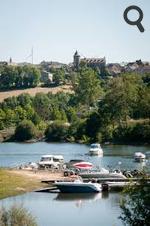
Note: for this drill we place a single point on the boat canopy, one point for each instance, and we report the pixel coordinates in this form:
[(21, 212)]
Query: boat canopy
[(54, 157), (95, 145)]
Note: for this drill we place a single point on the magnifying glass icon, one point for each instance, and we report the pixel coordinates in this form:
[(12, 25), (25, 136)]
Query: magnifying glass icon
[(136, 22)]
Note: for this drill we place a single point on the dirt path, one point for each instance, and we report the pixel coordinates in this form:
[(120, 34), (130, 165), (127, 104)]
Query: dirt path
[(38, 175)]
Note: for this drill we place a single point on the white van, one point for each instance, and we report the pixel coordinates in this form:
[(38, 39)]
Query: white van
[(51, 161)]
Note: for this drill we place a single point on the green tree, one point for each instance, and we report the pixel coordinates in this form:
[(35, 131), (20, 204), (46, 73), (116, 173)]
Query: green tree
[(41, 105), (135, 205), (10, 103), (10, 118), (25, 131), (2, 119), (121, 96), (24, 100), (88, 89), (57, 131), (59, 76), (20, 114), (142, 107), (8, 77)]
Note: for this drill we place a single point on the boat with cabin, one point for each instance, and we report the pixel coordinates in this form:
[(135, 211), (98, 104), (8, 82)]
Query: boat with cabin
[(139, 157), (51, 161), (95, 149)]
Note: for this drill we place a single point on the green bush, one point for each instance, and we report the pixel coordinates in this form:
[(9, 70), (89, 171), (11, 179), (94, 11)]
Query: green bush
[(25, 131), (16, 216), (57, 131), (139, 133), (135, 204)]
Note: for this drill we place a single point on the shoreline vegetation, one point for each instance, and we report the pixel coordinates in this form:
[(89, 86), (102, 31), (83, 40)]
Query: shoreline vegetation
[(16, 182), (8, 138), (96, 108)]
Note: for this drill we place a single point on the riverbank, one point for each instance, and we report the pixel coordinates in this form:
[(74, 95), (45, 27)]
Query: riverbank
[(15, 182)]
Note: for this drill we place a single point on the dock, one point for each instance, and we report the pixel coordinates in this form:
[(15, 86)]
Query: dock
[(112, 184), (98, 180)]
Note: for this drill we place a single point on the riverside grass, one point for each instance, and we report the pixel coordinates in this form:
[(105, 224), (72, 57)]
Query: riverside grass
[(12, 184)]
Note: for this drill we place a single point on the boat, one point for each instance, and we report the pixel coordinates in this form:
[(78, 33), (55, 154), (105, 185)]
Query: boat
[(102, 173), (96, 149), (139, 156), (78, 186), (51, 161), (72, 162)]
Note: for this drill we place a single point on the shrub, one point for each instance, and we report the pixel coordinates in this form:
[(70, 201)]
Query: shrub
[(135, 204), (16, 216), (57, 131), (25, 131)]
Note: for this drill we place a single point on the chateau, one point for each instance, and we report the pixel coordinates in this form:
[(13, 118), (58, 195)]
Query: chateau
[(98, 63)]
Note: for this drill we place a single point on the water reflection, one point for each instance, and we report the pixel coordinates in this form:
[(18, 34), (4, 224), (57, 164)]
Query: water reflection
[(81, 196), (81, 199), (65, 209)]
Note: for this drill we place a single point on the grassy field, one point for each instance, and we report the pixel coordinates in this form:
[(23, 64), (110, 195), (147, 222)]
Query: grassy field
[(12, 184), (33, 91)]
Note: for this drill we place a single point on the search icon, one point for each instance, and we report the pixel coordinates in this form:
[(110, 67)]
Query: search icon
[(136, 22)]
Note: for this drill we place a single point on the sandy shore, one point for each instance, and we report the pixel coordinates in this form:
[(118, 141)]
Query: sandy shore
[(39, 175)]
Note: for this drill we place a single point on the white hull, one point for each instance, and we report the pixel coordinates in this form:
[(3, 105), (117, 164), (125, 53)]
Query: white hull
[(101, 175), (78, 187), (96, 152), (139, 157)]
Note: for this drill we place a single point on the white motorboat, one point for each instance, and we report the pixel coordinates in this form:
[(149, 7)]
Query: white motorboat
[(51, 161), (96, 149), (78, 186), (102, 173), (139, 156)]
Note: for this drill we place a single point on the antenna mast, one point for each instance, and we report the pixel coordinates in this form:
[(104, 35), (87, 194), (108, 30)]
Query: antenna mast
[(32, 55)]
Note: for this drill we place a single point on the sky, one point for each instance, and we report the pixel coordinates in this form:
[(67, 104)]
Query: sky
[(57, 28)]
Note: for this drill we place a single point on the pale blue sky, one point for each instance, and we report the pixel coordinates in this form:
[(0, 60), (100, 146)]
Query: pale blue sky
[(56, 28)]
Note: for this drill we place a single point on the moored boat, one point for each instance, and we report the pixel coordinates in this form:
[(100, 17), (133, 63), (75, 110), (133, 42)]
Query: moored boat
[(139, 156), (51, 161), (78, 186), (102, 173), (96, 149)]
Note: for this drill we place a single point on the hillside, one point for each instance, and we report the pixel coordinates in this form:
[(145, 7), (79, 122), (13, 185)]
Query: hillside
[(33, 91)]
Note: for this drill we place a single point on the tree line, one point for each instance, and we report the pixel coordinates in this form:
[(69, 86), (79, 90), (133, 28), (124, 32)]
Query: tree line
[(111, 109), (16, 77)]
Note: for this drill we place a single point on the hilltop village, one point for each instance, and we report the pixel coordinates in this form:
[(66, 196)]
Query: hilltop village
[(49, 69)]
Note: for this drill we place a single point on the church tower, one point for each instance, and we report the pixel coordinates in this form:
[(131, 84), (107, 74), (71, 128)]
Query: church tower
[(76, 60), (10, 61)]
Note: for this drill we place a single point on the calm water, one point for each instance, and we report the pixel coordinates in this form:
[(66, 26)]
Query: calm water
[(52, 209), (13, 154), (55, 210)]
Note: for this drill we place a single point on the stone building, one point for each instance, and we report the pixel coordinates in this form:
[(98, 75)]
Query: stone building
[(98, 63), (76, 61)]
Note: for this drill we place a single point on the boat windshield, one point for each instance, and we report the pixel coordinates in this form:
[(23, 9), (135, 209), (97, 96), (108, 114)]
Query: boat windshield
[(55, 159), (45, 159), (95, 145)]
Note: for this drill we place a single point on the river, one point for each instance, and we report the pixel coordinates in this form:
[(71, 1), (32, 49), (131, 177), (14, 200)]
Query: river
[(52, 209)]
